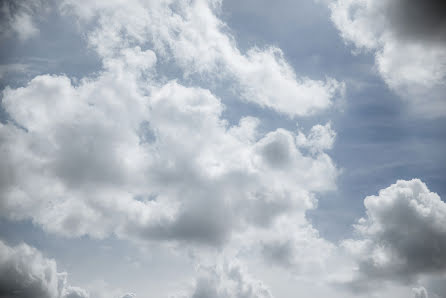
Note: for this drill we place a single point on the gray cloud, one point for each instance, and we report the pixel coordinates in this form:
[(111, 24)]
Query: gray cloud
[(408, 39), (420, 292), (25, 273), (402, 237), (198, 180), (228, 281)]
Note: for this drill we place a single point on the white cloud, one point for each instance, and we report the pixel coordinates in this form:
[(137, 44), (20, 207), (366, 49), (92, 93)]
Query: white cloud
[(122, 154), (403, 236), (191, 34), (320, 138), (294, 245), (131, 154), (25, 273), (408, 44), (420, 292), (227, 280)]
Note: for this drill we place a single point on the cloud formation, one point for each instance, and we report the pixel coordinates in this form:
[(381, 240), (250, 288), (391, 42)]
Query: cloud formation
[(191, 34), (131, 153), (408, 40), (228, 280), (420, 292), (18, 18), (158, 159), (25, 273), (402, 237)]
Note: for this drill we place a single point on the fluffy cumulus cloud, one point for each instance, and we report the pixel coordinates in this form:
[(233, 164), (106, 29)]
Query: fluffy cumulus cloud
[(25, 273), (226, 280), (160, 164), (131, 154), (191, 34), (408, 39), (402, 237)]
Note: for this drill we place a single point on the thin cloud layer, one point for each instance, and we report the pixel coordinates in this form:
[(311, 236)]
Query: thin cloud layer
[(408, 41)]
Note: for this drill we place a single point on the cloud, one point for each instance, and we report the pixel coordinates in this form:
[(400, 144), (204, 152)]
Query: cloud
[(125, 154), (419, 19), (129, 153), (200, 44), (7, 70), (228, 280), (420, 292), (408, 40), (402, 237), (25, 273), (18, 18), (295, 247)]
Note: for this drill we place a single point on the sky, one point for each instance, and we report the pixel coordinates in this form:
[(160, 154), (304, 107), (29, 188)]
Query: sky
[(222, 149)]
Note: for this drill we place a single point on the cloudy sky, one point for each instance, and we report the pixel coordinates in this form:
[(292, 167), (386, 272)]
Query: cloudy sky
[(222, 149)]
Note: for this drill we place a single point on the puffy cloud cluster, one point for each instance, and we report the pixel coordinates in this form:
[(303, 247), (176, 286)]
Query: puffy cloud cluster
[(227, 280), (130, 154), (409, 42), (403, 236), (190, 34), (25, 273), (156, 161)]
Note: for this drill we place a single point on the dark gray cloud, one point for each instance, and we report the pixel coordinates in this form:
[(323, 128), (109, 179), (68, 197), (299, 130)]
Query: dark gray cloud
[(421, 19)]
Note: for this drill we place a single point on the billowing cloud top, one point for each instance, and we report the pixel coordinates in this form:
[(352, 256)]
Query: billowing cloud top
[(25, 273), (144, 151), (409, 42)]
